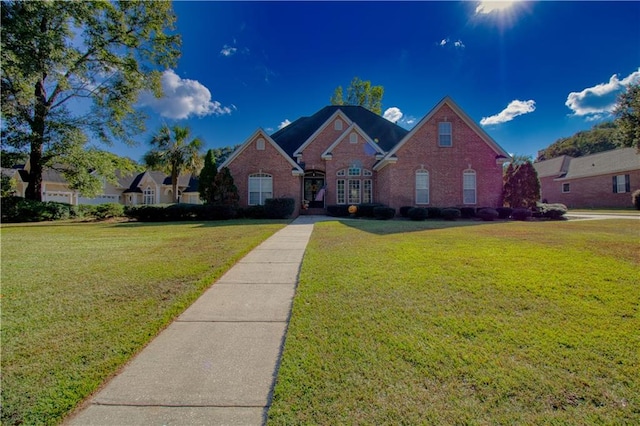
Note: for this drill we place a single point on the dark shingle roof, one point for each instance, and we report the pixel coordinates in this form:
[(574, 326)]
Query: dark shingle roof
[(378, 128)]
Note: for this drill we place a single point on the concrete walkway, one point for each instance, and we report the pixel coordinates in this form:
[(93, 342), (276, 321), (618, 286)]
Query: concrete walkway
[(217, 363)]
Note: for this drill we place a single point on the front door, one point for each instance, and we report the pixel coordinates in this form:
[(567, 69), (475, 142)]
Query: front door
[(314, 191)]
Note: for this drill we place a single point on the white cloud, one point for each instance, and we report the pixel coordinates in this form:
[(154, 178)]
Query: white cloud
[(600, 100), (458, 44), (444, 42), (228, 50), (182, 98), (514, 109), (285, 123), (393, 114)]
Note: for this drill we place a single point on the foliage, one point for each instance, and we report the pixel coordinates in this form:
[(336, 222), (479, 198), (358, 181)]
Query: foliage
[(488, 214), (521, 214), (338, 210), (404, 211), (504, 212), (360, 93), (451, 214), (8, 186), (180, 212), (551, 211), (384, 213), (18, 209), (253, 212), (521, 185), (418, 213), (467, 212), (207, 178), (221, 154), (434, 212), (279, 208), (225, 191), (72, 71), (627, 113), (509, 324), (172, 154), (635, 199), (10, 159), (80, 299), (366, 209), (601, 137)]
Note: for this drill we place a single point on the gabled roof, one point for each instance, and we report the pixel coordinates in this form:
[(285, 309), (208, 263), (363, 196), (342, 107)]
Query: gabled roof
[(260, 132), (602, 163), (293, 136), (500, 152), (557, 166), (375, 148)]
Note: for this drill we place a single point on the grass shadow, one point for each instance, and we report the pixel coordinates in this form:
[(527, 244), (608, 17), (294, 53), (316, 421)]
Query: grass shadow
[(400, 226)]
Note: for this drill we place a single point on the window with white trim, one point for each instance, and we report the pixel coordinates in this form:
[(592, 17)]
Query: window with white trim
[(342, 172), (340, 194), (354, 194), (566, 187), (260, 188), (354, 170), (444, 134), (469, 187), (353, 138), (337, 125), (260, 144), (149, 195), (422, 187), (621, 184), (367, 191)]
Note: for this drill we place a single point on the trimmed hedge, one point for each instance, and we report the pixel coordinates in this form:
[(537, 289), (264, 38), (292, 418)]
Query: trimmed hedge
[(404, 211), (504, 212), (18, 209), (418, 213), (253, 212), (521, 214), (338, 210), (551, 211), (635, 199), (384, 213), (487, 214), (434, 212), (467, 212), (279, 208), (367, 209), (451, 214), (180, 212)]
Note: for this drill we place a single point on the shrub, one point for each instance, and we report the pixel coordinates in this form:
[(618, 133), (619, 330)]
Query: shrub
[(635, 199), (467, 212), (521, 214), (216, 212), (404, 211), (338, 210), (279, 208), (487, 214), (254, 212), (450, 214), (551, 211), (366, 209), (504, 212), (384, 213), (107, 210), (418, 213), (18, 209), (434, 212)]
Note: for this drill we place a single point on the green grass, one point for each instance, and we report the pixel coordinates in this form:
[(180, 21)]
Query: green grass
[(477, 324), (78, 300)]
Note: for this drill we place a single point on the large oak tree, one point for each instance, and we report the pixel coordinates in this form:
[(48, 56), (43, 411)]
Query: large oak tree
[(71, 74)]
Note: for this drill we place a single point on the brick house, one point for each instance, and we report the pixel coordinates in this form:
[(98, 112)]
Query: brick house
[(349, 155), (605, 179)]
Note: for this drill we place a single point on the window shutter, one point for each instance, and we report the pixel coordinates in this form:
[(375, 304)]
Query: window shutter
[(627, 183), (615, 185)]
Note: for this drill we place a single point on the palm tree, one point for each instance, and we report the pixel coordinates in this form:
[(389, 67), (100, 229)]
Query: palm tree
[(172, 154)]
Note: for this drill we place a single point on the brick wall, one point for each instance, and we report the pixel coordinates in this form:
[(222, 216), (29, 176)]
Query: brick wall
[(268, 161), (445, 166), (589, 192)]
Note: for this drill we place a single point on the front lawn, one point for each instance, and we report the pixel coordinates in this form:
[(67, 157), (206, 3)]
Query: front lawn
[(435, 323), (78, 300)]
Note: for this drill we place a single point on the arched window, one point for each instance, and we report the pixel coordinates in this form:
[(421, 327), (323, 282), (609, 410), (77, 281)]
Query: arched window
[(260, 188), (149, 196), (469, 187), (422, 187)]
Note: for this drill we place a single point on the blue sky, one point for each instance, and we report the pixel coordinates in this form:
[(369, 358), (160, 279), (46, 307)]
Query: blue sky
[(528, 72)]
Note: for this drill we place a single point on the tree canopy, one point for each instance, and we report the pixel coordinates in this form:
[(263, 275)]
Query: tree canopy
[(71, 74), (602, 137), (628, 117), (360, 93), (172, 154), (521, 185)]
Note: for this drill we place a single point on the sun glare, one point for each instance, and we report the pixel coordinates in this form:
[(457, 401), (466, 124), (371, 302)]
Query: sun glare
[(486, 7), (504, 13)]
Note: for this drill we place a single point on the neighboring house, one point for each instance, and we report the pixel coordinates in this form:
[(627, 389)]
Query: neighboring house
[(605, 179), (350, 155), (149, 187)]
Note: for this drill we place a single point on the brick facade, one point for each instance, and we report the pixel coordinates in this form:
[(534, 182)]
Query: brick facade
[(392, 173), (589, 192)]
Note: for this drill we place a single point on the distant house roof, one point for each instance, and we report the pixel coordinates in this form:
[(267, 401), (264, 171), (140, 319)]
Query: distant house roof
[(381, 130), (602, 163)]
